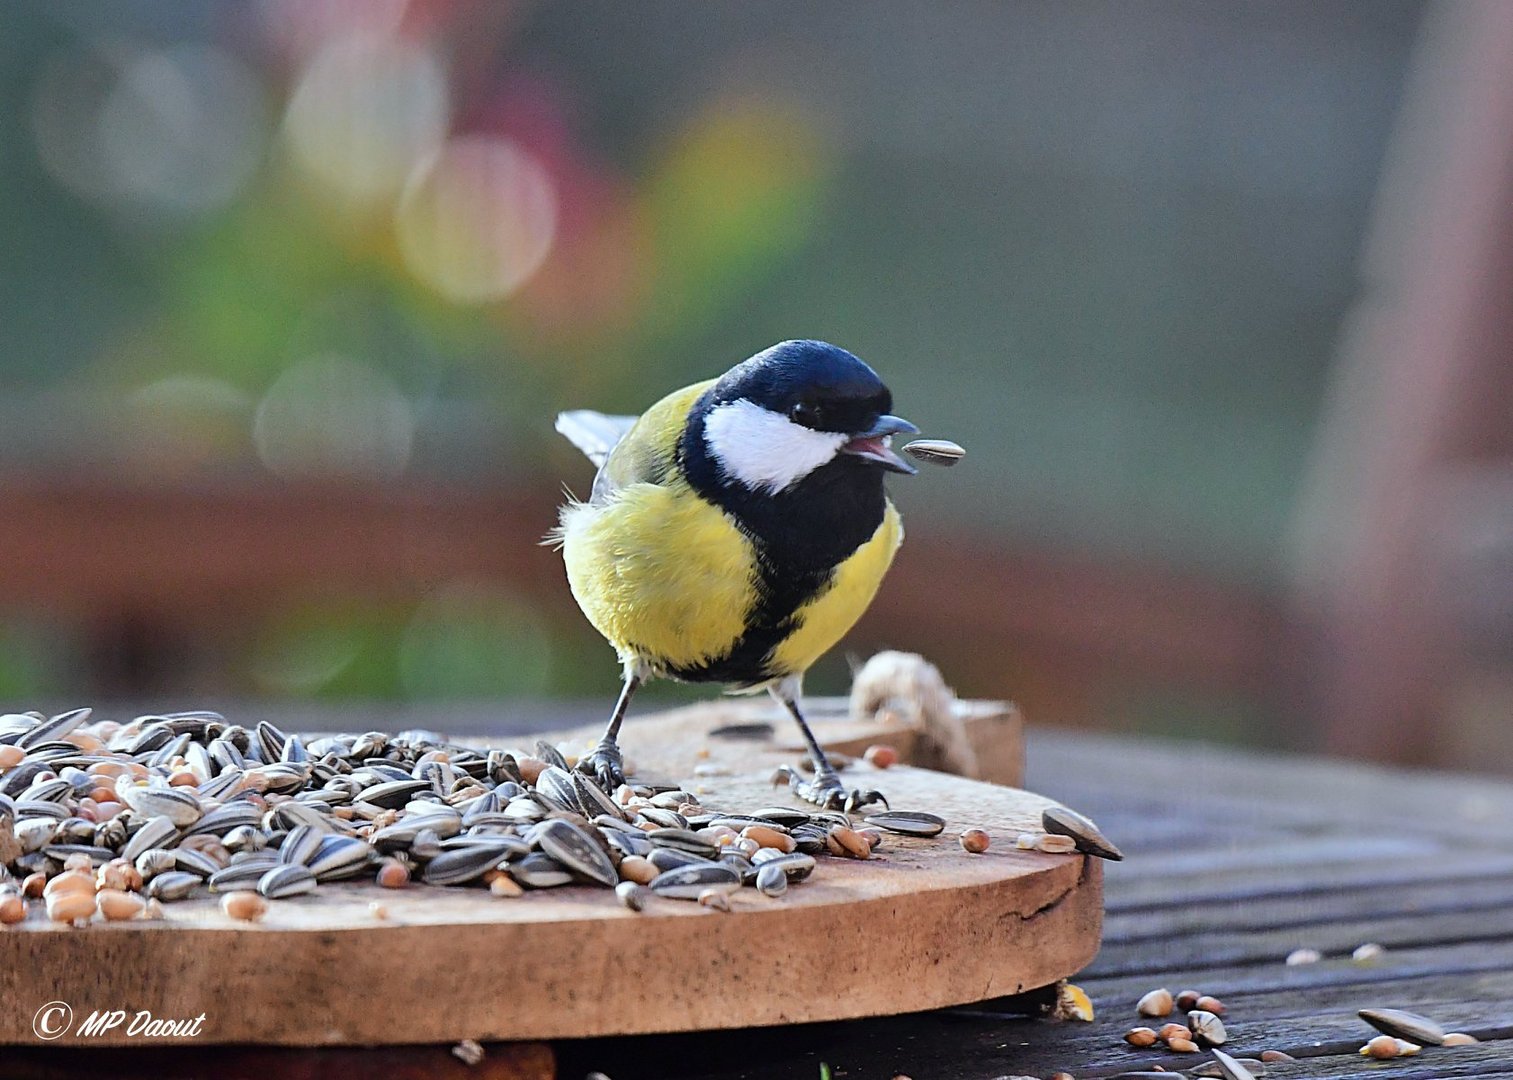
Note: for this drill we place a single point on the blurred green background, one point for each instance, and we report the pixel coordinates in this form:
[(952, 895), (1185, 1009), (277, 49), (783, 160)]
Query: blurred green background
[(359, 252)]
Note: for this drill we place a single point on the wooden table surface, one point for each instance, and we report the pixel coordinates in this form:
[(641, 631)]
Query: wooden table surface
[(1233, 860)]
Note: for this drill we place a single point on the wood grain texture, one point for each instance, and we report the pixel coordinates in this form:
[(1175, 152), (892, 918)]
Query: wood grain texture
[(1232, 860), (453, 964)]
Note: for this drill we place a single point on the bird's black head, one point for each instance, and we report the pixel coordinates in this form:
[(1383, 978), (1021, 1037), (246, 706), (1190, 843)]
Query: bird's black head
[(794, 442), (813, 383), (795, 408)]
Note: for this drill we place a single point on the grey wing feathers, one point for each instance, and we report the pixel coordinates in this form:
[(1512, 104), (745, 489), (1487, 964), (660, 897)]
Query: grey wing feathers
[(594, 433)]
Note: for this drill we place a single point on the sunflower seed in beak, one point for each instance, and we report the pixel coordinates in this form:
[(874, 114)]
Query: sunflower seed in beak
[(935, 451)]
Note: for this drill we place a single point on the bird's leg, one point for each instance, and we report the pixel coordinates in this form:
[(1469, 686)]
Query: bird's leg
[(826, 788), (605, 764)]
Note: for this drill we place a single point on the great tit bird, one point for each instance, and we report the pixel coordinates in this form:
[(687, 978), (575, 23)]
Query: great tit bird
[(736, 530)]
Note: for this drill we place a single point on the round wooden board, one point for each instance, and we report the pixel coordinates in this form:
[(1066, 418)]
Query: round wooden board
[(921, 925)]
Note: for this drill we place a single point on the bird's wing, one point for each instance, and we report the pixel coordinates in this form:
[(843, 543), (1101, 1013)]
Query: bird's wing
[(594, 433)]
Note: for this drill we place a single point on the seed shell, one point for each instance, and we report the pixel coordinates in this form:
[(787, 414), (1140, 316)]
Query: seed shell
[(1401, 1024), (172, 885), (1207, 1027), (539, 871), (908, 822), (771, 880), (688, 882), (935, 451), (290, 879), (633, 895), (1231, 1069), (573, 848), (1060, 821)]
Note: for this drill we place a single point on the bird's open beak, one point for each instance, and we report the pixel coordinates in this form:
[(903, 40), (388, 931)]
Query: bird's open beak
[(874, 444)]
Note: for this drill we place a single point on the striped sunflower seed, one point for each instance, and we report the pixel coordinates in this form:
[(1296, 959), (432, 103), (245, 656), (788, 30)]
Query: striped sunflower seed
[(1401, 1024), (300, 845), (173, 885), (461, 865), (771, 880), (574, 849), (539, 871), (935, 451), (688, 882), (287, 880), (908, 822), (1060, 821)]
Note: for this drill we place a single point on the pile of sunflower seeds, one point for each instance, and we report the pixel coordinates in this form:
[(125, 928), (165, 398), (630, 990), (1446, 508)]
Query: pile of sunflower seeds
[(167, 805)]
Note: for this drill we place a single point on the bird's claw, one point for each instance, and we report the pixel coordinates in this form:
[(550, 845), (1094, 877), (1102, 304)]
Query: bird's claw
[(826, 790), (858, 798), (605, 765)]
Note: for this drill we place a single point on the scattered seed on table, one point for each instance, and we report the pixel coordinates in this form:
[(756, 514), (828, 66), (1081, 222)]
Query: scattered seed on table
[(393, 874), (165, 804), (1367, 952), (70, 881), (714, 898), (975, 840), (1460, 1038), (12, 909), (1052, 844), (768, 837), (1210, 1004), (1271, 1056), (636, 869), (633, 895), (1086, 836), (852, 843), (377, 910), (771, 880), (1228, 1068), (116, 904), (1156, 1003), (245, 906), (505, 886), (1187, 1000), (1303, 956), (1072, 1003), (1140, 1036), (1168, 1032), (1401, 1024), (881, 755), (908, 822), (71, 907), (1207, 1028), (1182, 1046), (1381, 1047), (469, 1052)]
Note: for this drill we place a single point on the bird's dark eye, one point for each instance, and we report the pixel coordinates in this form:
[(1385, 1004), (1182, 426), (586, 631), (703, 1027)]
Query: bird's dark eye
[(806, 413)]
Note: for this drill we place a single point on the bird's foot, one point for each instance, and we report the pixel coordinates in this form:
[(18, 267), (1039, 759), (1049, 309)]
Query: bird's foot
[(826, 790), (605, 765)]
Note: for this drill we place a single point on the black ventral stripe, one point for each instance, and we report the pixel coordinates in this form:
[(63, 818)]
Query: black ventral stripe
[(800, 536), (770, 621)]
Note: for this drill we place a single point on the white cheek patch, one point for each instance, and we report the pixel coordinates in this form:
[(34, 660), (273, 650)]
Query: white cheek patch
[(764, 450)]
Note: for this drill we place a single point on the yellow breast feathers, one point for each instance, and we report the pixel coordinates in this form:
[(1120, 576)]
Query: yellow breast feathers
[(670, 579)]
